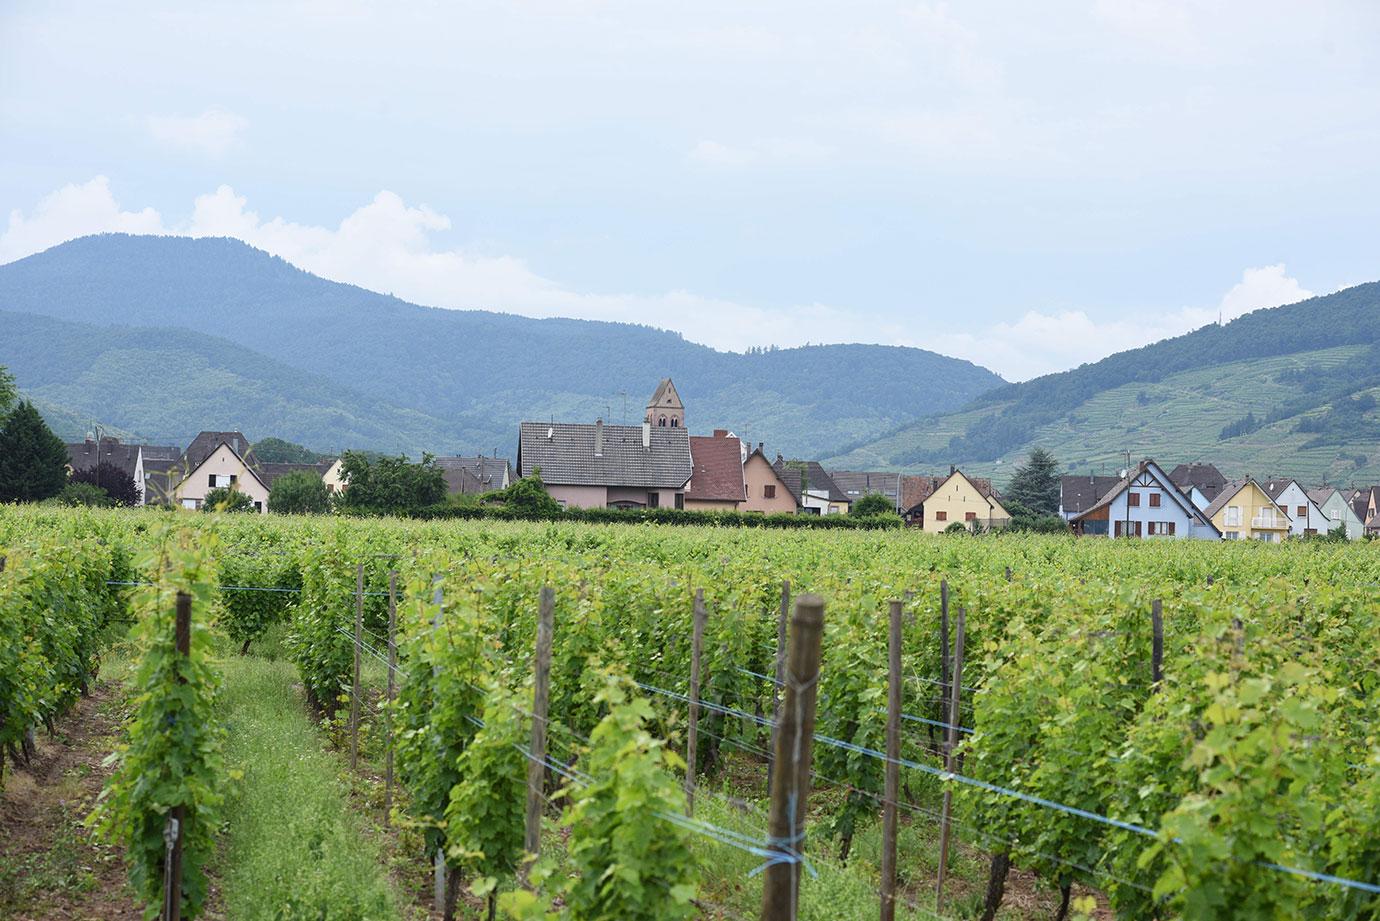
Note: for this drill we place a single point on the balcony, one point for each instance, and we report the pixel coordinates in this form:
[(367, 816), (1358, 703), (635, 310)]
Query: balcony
[(1268, 522)]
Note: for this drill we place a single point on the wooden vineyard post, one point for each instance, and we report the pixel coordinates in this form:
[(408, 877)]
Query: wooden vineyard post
[(692, 735), (541, 698), (175, 830), (438, 883), (951, 742), (791, 770), (1157, 643), (1008, 574), (893, 767), (392, 690), (943, 642), (354, 686), (780, 674)]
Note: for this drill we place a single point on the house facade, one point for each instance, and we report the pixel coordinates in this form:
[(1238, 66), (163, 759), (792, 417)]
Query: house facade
[(957, 498), (766, 492), (222, 467), (1305, 517), (858, 483), (814, 490), (716, 482), (1244, 511), (1146, 503), (607, 466), (1338, 511)]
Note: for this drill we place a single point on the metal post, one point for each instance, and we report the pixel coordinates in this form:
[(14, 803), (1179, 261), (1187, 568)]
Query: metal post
[(354, 686), (392, 690), (893, 769), (794, 744), (951, 737), (541, 697)]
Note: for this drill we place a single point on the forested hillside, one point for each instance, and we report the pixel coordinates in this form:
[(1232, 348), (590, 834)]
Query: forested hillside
[(318, 348), (1286, 390)]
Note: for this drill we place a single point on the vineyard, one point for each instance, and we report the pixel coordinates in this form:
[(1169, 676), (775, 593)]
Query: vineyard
[(1144, 729)]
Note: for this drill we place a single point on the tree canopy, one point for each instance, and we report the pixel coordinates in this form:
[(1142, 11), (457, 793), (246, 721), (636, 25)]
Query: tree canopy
[(528, 495), (226, 499), (115, 482), (299, 493), (871, 505), (390, 485), (280, 451), (33, 461), (1036, 484), (7, 390)]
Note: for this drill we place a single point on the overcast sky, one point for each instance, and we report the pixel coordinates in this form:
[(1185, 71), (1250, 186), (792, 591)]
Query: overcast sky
[(1029, 186)]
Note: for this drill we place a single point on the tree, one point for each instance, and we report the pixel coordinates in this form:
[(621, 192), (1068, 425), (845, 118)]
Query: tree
[(116, 483), (299, 493), (279, 451), (7, 390), (33, 461), (872, 505), (88, 494), (226, 499), (528, 496), (1036, 484), (390, 485)]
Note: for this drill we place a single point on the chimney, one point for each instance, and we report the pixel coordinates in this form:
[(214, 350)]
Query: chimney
[(721, 433), (646, 436), (760, 446), (598, 437), (952, 470)]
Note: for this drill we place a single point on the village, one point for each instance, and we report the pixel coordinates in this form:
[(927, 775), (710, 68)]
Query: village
[(659, 464)]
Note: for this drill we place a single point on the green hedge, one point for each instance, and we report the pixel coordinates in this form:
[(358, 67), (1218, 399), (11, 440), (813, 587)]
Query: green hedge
[(663, 516)]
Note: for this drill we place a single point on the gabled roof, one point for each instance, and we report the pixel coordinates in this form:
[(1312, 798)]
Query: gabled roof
[(664, 391), (84, 455), (718, 469), (1206, 477), (1275, 486), (1149, 468), (916, 489), (1077, 494), (1321, 495), (205, 444), (817, 479), (565, 453), (858, 483), (1229, 492), (477, 474)]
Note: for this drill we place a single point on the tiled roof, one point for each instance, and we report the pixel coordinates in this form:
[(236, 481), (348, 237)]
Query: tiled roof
[(916, 489), (718, 469), (87, 454), (565, 453), (205, 444), (478, 474), (1275, 486), (663, 390), (1077, 494), (1321, 494), (270, 472), (1227, 493), (1206, 477), (857, 483), (817, 479)]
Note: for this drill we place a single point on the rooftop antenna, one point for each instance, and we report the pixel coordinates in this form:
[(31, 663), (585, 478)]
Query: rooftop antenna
[(624, 394)]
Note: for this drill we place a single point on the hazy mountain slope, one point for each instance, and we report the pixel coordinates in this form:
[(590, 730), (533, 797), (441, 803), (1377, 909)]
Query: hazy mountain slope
[(1303, 371), (166, 385), (486, 371)]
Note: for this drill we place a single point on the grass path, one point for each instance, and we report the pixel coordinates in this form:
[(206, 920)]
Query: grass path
[(294, 847)]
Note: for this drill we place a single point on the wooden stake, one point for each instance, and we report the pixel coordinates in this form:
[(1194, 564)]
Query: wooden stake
[(794, 744), (692, 736), (943, 639), (541, 698), (176, 830), (893, 769), (1157, 644), (354, 687), (782, 617), (439, 903), (951, 736), (392, 689)]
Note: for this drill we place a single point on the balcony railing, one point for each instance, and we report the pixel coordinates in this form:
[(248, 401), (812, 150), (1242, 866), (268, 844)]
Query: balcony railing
[(1268, 521)]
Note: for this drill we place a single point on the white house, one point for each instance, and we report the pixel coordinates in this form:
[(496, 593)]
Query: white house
[(1146, 503), (1338, 511), (1305, 517)]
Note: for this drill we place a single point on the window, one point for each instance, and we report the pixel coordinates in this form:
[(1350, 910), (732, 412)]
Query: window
[(970, 516), (258, 506), (1133, 499), (189, 503), (233, 479), (680, 500), (1336, 515), (661, 422), (211, 481), (1303, 511), (769, 491), (941, 516), (675, 423), (653, 500), (1170, 526), (1233, 514), (1232, 535), (1154, 500)]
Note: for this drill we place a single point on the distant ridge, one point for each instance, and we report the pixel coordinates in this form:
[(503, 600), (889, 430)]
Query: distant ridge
[(333, 365)]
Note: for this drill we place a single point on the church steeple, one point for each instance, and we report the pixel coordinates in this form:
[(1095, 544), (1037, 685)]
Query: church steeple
[(665, 410)]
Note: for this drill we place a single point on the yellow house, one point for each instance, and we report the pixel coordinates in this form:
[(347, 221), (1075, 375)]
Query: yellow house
[(959, 499), (1244, 511)]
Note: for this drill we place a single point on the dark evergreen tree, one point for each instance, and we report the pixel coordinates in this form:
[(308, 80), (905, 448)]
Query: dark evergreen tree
[(7, 390), (1036, 483), (33, 461), (118, 485)]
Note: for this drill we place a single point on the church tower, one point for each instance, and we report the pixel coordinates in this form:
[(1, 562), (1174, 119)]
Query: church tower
[(665, 409)]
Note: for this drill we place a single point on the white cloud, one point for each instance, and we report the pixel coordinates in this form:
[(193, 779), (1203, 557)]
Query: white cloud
[(72, 211), (213, 132), (387, 245), (1041, 343)]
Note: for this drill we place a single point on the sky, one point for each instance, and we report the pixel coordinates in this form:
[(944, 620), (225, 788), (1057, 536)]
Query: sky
[(1027, 186)]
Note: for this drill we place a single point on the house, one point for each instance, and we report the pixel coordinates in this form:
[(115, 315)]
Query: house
[(664, 409), (1200, 482), (161, 472), (814, 490), (1244, 511), (934, 504), (214, 460), (716, 480), (766, 490), (334, 477), (129, 458), (1373, 526), (1077, 494), (856, 484), (1338, 511), (467, 475), (1145, 503), (613, 466), (1365, 502), (1305, 517)]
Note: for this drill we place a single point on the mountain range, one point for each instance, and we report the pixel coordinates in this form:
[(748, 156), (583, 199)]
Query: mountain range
[(161, 337), (1288, 390)]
